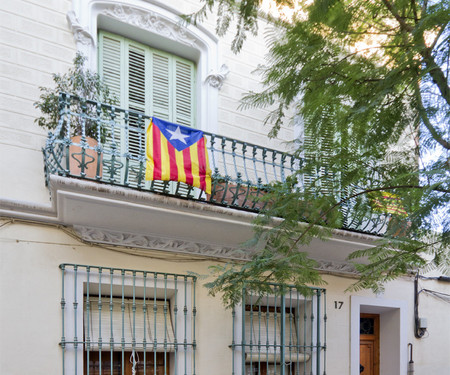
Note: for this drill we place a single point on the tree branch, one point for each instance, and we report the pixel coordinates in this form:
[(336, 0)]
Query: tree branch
[(400, 19), (436, 73), (425, 6), (414, 8), (433, 69), (427, 122)]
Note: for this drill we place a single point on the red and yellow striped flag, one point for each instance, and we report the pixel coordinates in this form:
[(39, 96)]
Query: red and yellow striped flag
[(177, 153), (388, 203)]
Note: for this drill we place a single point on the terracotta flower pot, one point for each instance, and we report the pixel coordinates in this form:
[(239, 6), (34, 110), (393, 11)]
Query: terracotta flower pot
[(90, 158), (243, 196)]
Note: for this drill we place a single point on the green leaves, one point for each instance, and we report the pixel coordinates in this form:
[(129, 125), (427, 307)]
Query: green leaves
[(77, 81), (370, 79)]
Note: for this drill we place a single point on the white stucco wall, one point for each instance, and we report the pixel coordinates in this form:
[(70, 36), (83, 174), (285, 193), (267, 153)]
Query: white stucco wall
[(30, 291), (36, 42)]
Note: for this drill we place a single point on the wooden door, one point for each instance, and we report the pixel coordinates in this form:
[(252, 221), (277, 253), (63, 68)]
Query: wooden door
[(369, 344)]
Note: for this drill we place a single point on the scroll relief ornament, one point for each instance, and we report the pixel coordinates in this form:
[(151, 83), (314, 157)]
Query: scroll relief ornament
[(336, 267), (80, 33), (216, 79), (152, 22), (96, 235)]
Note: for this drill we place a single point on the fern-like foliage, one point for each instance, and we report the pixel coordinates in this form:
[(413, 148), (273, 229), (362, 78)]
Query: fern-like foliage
[(370, 80)]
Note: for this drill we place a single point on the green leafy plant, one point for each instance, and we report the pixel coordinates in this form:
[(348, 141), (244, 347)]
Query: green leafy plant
[(85, 85), (370, 81)]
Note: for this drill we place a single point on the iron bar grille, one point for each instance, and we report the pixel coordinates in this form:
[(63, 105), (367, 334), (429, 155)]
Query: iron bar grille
[(100, 142), (280, 334), (122, 321), (241, 170)]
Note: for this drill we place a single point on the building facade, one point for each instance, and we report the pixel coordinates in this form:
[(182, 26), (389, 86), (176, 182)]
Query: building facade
[(104, 273)]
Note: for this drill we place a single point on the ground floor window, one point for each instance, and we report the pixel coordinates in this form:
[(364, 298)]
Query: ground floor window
[(121, 321), (103, 362), (283, 333)]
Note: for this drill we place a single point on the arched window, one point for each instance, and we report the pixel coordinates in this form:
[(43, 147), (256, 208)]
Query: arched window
[(149, 33)]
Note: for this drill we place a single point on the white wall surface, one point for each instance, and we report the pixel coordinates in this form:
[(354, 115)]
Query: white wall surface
[(36, 41), (30, 291)]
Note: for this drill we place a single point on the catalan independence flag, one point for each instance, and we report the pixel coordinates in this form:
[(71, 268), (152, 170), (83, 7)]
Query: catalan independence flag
[(177, 153), (388, 203)]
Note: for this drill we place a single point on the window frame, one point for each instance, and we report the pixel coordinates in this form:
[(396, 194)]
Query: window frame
[(310, 333), (81, 281), (154, 22)]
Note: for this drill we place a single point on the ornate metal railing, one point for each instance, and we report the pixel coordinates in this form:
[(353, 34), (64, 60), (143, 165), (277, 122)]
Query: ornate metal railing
[(103, 143)]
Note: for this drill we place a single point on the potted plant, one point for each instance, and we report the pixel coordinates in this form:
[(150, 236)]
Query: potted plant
[(241, 194), (84, 85)]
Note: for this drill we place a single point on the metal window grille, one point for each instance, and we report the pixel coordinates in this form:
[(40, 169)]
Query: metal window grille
[(280, 334), (123, 321)]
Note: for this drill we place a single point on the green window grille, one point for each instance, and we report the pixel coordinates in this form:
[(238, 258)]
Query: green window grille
[(122, 321), (280, 334)]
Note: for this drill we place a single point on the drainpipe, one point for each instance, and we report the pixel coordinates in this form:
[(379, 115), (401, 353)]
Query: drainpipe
[(411, 362), (419, 330)]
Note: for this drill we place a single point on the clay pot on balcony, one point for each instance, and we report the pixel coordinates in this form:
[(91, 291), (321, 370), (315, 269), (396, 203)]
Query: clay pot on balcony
[(242, 196), (398, 227), (72, 102), (91, 162)]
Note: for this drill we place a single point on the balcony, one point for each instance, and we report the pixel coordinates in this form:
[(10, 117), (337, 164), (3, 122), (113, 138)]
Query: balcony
[(242, 172)]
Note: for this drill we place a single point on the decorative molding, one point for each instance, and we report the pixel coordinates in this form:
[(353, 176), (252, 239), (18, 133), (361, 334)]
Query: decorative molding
[(79, 32), (97, 235), (336, 267), (216, 79), (150, 21), (151, 242)]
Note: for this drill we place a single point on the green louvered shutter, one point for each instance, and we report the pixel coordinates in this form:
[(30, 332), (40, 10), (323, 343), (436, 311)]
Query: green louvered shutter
[(319, 148), (111, 63), (172, 91), (136, 96), (161, 90), (148, 81), (183, 106), (111, 69)]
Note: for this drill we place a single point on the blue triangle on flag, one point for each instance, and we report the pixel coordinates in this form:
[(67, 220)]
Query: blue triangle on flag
[(179, 136)]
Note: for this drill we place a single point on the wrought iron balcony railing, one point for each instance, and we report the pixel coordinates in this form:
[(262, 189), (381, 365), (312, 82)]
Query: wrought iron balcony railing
[(242, 172)]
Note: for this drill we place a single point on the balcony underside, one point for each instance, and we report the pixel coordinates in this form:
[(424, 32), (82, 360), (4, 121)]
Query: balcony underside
[(114, 215), (242, 173)]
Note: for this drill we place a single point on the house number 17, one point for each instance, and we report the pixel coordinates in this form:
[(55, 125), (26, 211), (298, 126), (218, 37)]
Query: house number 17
[(338, 305)]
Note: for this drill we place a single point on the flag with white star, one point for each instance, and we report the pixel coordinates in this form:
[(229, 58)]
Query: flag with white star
[(177, 153)]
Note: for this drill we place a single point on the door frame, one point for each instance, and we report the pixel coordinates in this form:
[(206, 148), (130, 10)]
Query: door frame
[(393, 333)]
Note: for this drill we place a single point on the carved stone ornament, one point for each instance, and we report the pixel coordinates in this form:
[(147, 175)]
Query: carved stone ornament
[(336, 267), (115, 238), (216, 79), (96, 235), (80, 33), (152, 22)]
